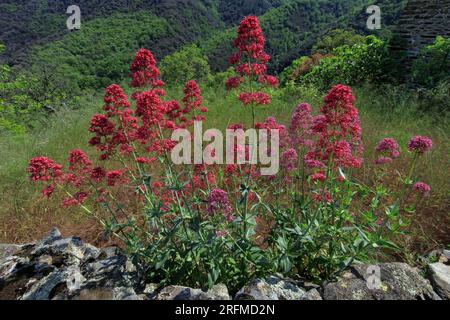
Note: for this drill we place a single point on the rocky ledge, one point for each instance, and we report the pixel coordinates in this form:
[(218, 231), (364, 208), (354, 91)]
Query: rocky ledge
[(57, 268)]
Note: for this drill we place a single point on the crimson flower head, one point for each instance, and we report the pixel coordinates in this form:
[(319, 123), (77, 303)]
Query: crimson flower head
[(101, 125), (144, 71), (192, 97), (420, 145), (44, 169), (78, 199), (79, 161), (251, 40), (389, 150), (289, 160), (301, 125), (319, 176), (114, 98), (250, 61), (388, 146), (114, 177), (258, 98), (339, 109), (98, 173), (150, 108), (218, 202), (422, 189), (234, 82), (339, 130)]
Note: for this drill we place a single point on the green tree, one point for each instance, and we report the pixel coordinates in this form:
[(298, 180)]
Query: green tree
[(433, 64), (27, 97), (337, 38), (362, 62), (187, 64)]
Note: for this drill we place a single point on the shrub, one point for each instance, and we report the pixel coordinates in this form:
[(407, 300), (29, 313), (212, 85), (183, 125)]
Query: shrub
[(299, 67), (433, 64), (27, 97), (362, 62), (337, 38), (201, 224), (184, 65)]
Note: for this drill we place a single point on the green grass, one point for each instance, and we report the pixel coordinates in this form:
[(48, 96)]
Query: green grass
[(390, 113)]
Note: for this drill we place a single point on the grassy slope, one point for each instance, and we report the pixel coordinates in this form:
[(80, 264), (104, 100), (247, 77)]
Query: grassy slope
[(24, 215)]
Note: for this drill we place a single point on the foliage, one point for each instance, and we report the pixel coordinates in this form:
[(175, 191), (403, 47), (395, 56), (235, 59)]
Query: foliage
[(184, 65), (337, 38), (96, 55), (293, 28), (44, 21), (433, 64), (299, 68), (27, 97), (351, 65)]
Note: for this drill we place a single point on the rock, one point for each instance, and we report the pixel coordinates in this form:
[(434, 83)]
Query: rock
[(51, 237), (7, 250), (440, 277), (397, 281), (347, 287), (218, 292), (64, 269), (439, 255), (106, 279), (313, 294), (150, 288), (272, 288), (57, 268)]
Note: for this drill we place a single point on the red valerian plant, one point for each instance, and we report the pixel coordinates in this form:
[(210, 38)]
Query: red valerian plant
[(250, 63), (201, 224)]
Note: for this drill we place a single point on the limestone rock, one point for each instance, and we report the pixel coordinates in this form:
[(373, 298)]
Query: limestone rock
[(57, 268), (440, 277), (7, 250), (218, 292), (397, 281), (312, 294), (62, 269), (272, 288)]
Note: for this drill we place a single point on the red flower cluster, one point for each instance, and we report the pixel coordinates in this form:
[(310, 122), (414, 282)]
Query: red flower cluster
[(339, 130), (44, 169), (422, 189), (420, 145), (250, 41), (271, 124), (389, 150), (301, 123), (289, 160), (79, 172), (144, 71), (115, 129), (257, 98), (250, 62), (234, 82), (218, 202), (192, 103), (150, 108)]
